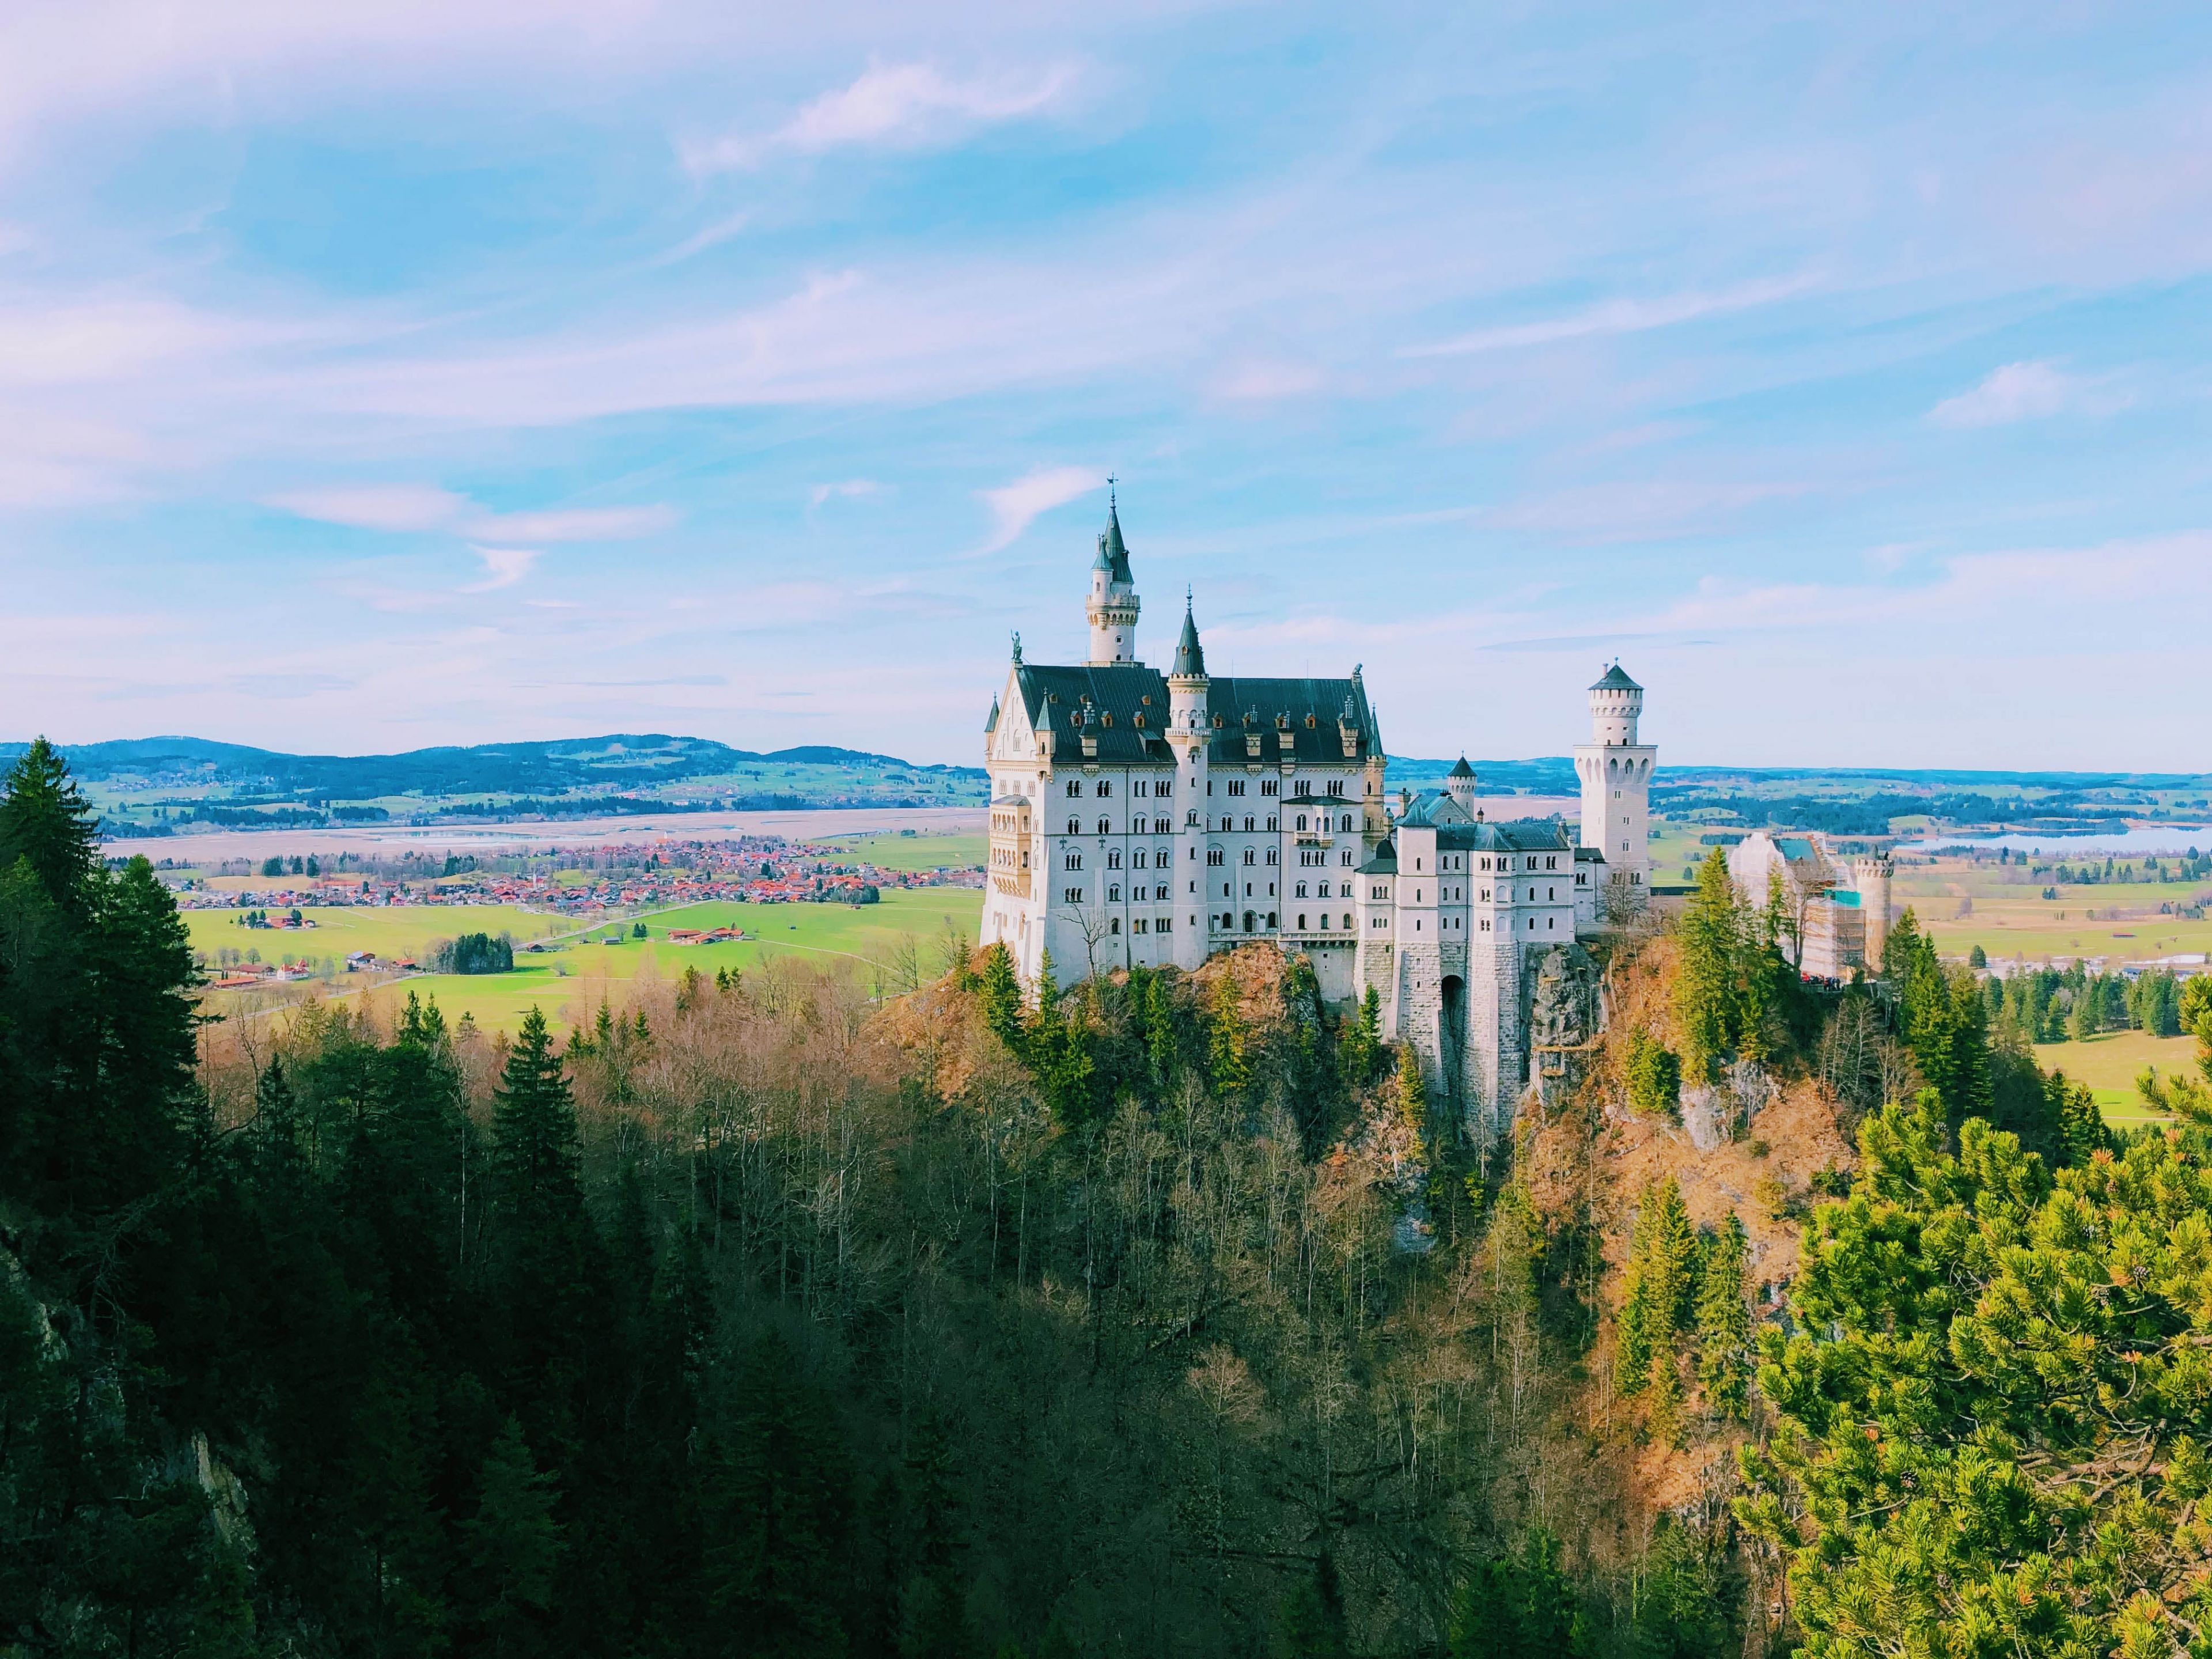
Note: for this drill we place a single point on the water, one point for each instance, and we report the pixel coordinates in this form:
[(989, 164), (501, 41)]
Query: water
[(2095, 843)]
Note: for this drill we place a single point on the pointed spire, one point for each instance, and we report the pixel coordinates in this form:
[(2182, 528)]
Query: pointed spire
[(1111, 548), (1189, 658)]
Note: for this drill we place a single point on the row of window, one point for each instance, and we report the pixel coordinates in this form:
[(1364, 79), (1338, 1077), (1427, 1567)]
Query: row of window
[(1459, 862), (1146, 786), (1166, 826)]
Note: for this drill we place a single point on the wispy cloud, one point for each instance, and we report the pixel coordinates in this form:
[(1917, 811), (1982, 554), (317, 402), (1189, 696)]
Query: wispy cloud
[(1616, 317), (896, 106), (2016, 392), (1015, 506), (402, 508), (504, 567), (850, 489)]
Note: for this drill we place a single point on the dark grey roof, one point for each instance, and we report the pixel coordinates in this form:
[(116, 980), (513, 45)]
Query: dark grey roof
[(1385, 861), (992, 724), (1516, 835), (1462, 770), (1189, 657), (1056, 699), (1103, 701), (1615, 680), (1240, 707)]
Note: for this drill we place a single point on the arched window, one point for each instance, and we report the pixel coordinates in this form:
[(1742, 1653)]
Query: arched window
[(1074, 787), (1102, 826), (1114, 858), (1105, 788), (1073, 828), (1271, 921), (1302, 820), (1249, 919), (1248, 824), (1302, 924), (1114, 926)]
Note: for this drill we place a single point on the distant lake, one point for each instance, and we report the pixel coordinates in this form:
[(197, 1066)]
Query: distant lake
[(2096, 841)]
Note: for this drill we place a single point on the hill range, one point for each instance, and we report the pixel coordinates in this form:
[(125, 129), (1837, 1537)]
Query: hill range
[(155, 785)]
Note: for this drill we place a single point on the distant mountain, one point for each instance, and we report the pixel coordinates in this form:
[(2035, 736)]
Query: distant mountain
[(620, 761)]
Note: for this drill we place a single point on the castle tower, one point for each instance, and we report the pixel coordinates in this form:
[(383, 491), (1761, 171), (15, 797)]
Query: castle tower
[(1870, 875), (1616, 778), (1461, 785), (1112, 607), (1189, 731)]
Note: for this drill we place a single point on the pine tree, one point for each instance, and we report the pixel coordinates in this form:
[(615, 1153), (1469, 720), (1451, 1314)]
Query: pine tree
[(1161, 1049), (535, 1156), (1002, 996), (1225, 1040), (45, 821), (1657, 1306), (778, 1512), (1361, 1043), (1654, 1075), (1314, 1622), (1724, 1322), (1707, 1014), (511, 1544)]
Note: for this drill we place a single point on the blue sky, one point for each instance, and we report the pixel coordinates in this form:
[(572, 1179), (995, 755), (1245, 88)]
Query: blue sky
[(384, 375)]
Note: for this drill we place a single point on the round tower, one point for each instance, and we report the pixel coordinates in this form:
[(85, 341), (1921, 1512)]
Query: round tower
[(1870, 875), (1461, 785), (1112, 606), (1189, 732), (1616, 772)]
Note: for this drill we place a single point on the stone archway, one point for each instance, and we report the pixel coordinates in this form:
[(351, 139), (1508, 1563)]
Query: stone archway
[(1451, 1037)]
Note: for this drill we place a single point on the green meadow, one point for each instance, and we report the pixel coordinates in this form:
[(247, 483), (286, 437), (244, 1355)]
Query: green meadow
[(391, 930), (889, 850), (569, 984), (2110, 1062)]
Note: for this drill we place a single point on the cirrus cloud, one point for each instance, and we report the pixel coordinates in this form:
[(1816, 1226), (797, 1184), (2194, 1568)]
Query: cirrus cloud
[(901, 106), (1015, 506)]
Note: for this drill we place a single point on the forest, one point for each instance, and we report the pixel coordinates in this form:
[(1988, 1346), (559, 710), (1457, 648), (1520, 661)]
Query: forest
[(1167, 1314)]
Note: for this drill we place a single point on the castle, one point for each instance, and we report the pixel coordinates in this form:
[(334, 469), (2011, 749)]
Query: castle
[(1147, 819)]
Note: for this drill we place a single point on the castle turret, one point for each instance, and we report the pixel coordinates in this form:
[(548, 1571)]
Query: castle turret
[(1189, 730), (1615, 770), (1113, 605), (1870, 876), (1460, 785)]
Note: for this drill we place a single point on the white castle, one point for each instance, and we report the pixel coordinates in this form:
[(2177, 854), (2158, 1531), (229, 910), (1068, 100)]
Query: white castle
[(1143, 819)]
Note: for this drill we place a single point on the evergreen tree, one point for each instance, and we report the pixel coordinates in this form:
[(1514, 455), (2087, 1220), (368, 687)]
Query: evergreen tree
[(1654, 1075), (511, 1545), (1707, 998), (1724, 1322), (45, 822), (1002, 996), (1361, 1043), (778, 1511), (1225, 1039)]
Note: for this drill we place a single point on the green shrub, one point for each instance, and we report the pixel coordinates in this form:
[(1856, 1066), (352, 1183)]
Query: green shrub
[(1655, 1075)]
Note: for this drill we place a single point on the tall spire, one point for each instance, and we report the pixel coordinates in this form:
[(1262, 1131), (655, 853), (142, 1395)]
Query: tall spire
[(1189, 657), (1112, 548)]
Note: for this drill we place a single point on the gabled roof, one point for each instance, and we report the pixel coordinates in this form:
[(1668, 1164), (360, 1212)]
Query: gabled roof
[(1102, 701), (1615, 680), (1385, 861)]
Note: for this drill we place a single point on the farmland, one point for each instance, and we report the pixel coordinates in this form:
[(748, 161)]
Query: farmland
[(2110, 1064), (568, 984)]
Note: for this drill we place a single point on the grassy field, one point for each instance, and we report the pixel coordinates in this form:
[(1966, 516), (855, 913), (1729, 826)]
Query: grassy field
[(2110, 1064), (570, 985), (889, 850), (388, 930), (2009, 918)]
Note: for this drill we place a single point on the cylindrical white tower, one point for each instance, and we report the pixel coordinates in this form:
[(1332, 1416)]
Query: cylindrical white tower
[(1190, 729), (1870, 876), (1616, 772), (1112, 606)]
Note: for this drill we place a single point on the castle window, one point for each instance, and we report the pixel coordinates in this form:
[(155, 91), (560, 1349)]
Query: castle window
[(1114, 860), (1141, 787), (1074, 860), (1102, 827), (1074, 787), (1248, 825), (1302, 924), (1137, 926), (1348, 920), (1300, 894), (1271, 823), (1271, 786), (1161, 826), (1073, 828), (1274, 854), (1105, 788), (1138, 719), (1113, 895), (1250, 856), (1271, 919), (1071, 895), (1237, 786), (1336, 787), (1309, 726), (1161, 892), (1106, 720), (1114, 926), (1213, 854), (1137, 860)]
